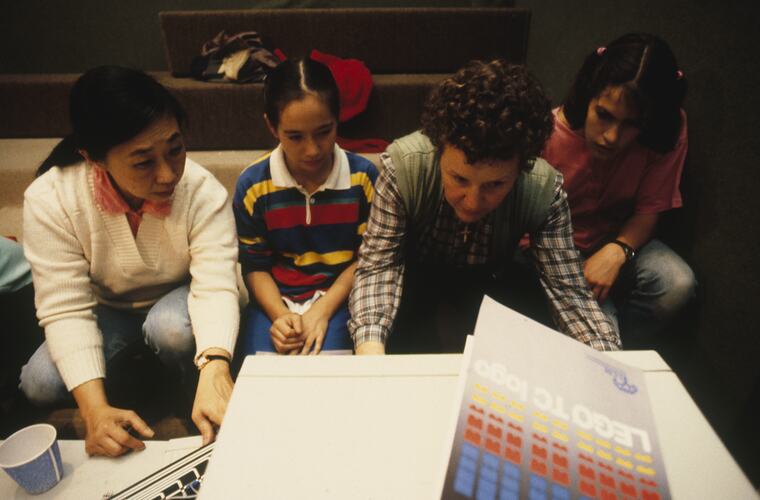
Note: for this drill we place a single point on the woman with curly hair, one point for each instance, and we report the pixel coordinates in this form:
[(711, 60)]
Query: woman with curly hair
[(620, 141), (451, 205)]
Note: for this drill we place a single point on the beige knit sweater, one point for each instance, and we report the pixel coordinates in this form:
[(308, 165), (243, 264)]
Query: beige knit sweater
[(81, 256)]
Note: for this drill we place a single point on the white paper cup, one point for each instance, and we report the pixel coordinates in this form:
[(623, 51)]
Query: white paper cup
[(32, 458)]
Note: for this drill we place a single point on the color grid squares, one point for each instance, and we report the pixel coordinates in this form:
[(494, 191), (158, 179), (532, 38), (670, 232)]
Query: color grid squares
[(509, 454)]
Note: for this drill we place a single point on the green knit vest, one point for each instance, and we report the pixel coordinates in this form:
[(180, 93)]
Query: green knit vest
[(419, 181)]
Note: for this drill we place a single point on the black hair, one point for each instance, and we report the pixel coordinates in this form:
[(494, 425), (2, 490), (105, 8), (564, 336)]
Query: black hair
[(109, 105), (490, 111), (646, 68), (292, 80)]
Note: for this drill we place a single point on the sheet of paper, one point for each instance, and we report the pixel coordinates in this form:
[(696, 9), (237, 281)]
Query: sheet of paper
[(179, 447), (544, 416)]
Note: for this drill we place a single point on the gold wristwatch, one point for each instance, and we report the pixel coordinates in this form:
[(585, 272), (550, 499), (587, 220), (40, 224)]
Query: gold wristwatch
[(205, 359)]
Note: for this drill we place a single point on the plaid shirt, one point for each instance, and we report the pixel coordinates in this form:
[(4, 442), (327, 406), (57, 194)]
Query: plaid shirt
[(378, 281)]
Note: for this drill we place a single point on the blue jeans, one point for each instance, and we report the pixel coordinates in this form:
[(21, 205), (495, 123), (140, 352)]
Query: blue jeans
[(166, 329), (256, 337), (651, 289)]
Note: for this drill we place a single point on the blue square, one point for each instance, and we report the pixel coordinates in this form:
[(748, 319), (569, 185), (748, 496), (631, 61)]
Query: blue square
[(511, 470), (536, 494), (486, 490), (510, 484), (470, 451), (466, 474), (464, 483), (560, 493), (490, 460), (508, 495), (537, 482), (491, 475), (468, 464)]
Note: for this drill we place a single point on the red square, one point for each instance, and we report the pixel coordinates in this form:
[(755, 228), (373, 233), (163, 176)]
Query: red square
[(472, 436), (561, 476), (514, 440), (474, 421), (493, 447), (607, 481), (649, 495), (588, 489), (477, 409), (608, 495), (513, 455), (587, 472), (538, 466), (494, 430), (628, 489)]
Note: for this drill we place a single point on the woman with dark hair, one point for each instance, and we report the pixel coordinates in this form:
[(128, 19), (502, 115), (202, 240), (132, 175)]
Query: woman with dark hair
[(450, 207), (128, 240), (300, 212), (620, 141)]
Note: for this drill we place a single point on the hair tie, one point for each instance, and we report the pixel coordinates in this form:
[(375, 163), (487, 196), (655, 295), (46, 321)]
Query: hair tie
[(600, 50), (679, 74)]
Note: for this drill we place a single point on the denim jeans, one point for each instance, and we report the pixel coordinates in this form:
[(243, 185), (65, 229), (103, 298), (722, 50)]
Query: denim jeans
[(649, 292), (20, 335), (166, 329)]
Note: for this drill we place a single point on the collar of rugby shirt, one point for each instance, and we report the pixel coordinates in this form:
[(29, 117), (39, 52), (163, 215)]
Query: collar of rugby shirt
[(339, 178), (112, 202)]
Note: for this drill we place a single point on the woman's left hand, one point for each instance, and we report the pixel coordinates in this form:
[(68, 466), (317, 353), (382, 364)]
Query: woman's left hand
[(314, 323), (214, 390)]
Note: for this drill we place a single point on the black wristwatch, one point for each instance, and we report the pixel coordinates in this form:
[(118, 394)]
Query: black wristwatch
[(630, 252)]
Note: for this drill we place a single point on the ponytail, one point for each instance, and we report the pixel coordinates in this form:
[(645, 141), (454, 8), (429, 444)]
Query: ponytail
[(64, 153)]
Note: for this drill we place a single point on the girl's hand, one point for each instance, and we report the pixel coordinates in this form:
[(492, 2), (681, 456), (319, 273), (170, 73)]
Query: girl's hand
[(214, 390), (603, 268), (108, 431), (287, 333), (314, 328)]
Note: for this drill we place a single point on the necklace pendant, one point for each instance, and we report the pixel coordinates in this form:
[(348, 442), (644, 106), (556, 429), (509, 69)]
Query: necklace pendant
[(465, 233)]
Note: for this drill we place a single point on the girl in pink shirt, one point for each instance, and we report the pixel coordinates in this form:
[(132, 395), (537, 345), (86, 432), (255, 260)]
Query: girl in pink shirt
[(620, 141)]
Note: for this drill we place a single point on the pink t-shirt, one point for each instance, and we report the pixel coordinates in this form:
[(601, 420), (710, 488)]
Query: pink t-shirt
[(603, 195)]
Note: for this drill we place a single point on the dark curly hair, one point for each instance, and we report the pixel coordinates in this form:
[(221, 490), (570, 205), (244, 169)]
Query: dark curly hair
[(490, 111)]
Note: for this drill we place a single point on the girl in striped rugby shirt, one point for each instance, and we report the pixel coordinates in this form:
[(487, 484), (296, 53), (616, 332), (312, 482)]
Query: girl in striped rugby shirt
[(300, 213)]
